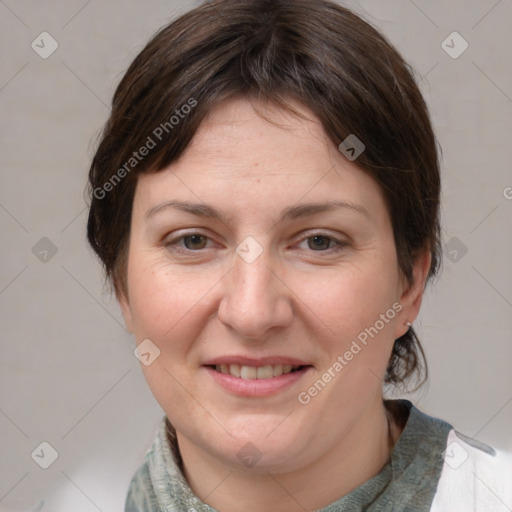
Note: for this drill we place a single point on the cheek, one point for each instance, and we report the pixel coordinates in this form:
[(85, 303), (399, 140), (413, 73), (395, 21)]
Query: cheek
[(361, 310), (170, 307), (162, 299), (166, 308), (347, 301)]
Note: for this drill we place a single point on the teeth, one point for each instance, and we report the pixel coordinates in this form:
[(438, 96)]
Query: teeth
[(265, 372), (248, 372), (278, 370), (253, 372), (234, 369)]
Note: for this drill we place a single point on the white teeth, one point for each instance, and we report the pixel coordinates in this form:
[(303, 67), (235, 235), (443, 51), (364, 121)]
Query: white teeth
[(248, 372), (278, 370), (253, 372), (234, 369), (265, 372)]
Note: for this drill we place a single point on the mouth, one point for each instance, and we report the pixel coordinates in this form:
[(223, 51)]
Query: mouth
[(268, 371), (256, 378)]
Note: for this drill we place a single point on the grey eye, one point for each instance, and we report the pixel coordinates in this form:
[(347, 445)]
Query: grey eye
[(319, 242), (194, 241)]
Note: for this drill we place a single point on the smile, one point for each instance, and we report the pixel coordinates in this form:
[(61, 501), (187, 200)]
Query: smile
[(256, 372), (256, 381)]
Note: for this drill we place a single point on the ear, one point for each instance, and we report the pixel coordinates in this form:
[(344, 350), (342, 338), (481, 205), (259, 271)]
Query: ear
[(124, 303), (412, 293)]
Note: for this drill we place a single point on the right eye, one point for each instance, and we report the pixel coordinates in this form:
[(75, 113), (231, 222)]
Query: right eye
[(191, 242)]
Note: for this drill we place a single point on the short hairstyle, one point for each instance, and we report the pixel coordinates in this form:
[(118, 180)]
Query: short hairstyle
[(311, 51)]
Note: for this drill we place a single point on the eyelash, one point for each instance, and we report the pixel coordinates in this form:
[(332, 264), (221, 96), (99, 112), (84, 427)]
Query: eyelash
[(173, 243)]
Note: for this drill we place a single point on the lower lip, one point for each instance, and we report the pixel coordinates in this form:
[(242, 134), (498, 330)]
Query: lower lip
[(256, 387)]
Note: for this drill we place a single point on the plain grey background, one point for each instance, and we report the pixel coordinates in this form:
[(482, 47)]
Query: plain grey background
[(67, 369)]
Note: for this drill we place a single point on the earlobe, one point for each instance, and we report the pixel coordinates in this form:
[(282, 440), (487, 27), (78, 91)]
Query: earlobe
[(413, 293)]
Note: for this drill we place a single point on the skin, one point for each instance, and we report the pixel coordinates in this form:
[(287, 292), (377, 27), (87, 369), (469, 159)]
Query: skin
[(197, 299)]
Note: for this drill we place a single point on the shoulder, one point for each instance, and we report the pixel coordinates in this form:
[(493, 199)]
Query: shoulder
[(460, 473), (474, 476), (158, 484), (140, 492)]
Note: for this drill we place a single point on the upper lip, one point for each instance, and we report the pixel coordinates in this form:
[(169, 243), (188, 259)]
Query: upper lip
[(252, 361)]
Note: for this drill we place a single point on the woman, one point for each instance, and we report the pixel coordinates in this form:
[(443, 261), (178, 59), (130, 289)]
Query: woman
[(265, 200)]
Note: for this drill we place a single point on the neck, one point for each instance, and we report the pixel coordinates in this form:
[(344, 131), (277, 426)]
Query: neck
[(357, 457)]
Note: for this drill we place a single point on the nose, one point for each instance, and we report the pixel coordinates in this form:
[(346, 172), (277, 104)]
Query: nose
[(256, 299)]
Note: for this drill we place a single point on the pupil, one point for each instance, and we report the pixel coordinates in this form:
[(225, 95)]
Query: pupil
[(320, 242), (194, 239)]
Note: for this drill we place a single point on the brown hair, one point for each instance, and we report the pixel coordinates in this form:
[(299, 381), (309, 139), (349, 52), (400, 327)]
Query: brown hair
[(313, 51)]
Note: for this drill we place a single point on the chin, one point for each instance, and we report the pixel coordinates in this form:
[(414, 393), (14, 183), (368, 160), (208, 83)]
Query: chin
[(258, 445)]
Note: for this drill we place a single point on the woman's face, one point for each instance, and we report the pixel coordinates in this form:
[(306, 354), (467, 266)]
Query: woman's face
[(264, 247)]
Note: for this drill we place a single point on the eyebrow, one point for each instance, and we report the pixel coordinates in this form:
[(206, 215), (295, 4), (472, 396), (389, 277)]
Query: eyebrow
[(292, 212)]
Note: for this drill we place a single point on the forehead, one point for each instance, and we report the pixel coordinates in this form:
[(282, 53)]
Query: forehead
[(250, 156), (253, 136)]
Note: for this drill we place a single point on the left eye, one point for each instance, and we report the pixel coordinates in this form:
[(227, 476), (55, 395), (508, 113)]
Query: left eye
[(320, 242), (194, 242)]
